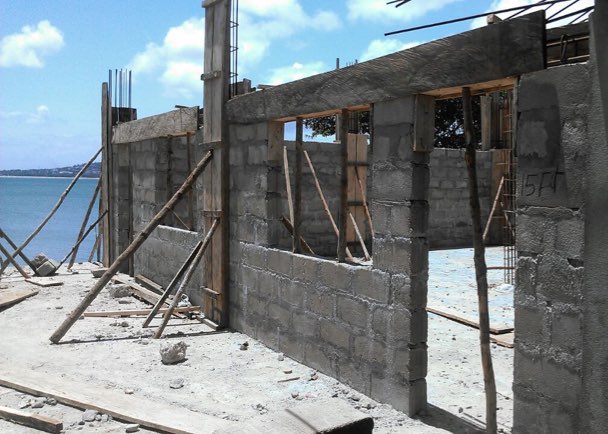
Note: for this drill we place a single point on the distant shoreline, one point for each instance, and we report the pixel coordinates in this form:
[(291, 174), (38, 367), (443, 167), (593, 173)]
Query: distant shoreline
[(46, 177)]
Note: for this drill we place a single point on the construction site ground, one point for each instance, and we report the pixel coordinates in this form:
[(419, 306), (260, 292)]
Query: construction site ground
[(231, 388)]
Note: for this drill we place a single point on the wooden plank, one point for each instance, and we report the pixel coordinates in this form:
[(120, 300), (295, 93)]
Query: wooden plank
[(36, 421), (303, 242), (104, 202), (342, 215), (495, 330), (44, 282), (149, 284), (137, 290), (175, 123), (288, 184), (506, 340), (501, 50), (129, 408), (8, 298), (297, 206), (136, 312), (424, 123)]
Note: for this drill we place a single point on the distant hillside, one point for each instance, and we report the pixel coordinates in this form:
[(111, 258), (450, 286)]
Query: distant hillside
[(92, 172)]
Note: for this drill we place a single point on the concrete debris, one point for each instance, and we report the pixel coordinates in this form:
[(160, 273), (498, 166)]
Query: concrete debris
[(261, 408), (51, 401), (39, 259), (48, 268), (184, 302), (129, 391), (24, 403), (89, 415), (177, 383), (281, 357), (172, 353), (244, 346), (314, 376), (132, 428), (104, 418), (38, 402), (119, 291)]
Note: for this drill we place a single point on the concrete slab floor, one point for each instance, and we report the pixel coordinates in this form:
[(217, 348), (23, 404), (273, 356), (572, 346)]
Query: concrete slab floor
[(220, 379)]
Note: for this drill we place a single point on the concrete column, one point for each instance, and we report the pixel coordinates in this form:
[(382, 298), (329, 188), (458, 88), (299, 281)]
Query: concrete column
[(400, 180)]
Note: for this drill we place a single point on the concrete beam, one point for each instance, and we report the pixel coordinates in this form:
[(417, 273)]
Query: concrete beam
[(171, 123), (506, 49)]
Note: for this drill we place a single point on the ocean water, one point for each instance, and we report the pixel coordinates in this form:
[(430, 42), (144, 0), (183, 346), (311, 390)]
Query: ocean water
[(25, 202)]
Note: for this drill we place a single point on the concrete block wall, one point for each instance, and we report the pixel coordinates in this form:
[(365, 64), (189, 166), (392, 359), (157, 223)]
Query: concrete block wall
[(549, 321), (364, 325), (449, 213), (121, 194)]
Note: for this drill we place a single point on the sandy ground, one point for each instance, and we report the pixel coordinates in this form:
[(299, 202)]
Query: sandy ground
[(241, 386)]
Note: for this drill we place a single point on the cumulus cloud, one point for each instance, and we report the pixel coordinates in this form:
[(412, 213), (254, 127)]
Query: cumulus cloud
[(36, 116), (296, 71), (382, 47), (178, 60), (378, 10), (31, 45), (506, 4)]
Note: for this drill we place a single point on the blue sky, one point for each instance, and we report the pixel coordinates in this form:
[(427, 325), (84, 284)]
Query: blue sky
[(54, 55)]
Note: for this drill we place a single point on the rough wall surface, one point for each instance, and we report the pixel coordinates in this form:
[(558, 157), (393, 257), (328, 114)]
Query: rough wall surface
[(552, 131), (364, 325), (449, 213)]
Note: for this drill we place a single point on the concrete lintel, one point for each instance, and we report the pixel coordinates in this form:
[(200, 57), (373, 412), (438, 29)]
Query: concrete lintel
[(171, 123)]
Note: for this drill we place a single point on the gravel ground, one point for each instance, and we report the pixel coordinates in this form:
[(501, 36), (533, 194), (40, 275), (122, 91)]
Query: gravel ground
[(220, 379)]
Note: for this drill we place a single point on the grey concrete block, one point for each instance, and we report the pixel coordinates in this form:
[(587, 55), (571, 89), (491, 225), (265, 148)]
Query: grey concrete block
[(321, 302), (335, 275), (353, 311), (334, 334), (280, 262), (372, 284), (305, 324), (394, 112), (47, 268), (411, 363), (292, 293), (304, 268)]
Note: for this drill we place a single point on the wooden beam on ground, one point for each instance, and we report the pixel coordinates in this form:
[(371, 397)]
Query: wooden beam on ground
[(297, 207), (8, 298), (44, 282), (506, 340), (137, 290), (495, 330), (128, 408), (36, 421), (505, 49), (137, 312), (149, 283), (342, 214), (137, 242), (323, 201)]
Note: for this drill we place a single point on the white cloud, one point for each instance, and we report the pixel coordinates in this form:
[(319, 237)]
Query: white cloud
[(296, 71), (37, 116), (382, 47), (506, 4), (30, 45), (178, 61), (378, 10)]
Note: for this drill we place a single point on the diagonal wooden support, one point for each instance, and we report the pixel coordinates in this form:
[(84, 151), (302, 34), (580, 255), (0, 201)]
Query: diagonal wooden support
[(364, 200), (498, 192), (55, 208), (124, 256), (14, 246), (84, 224), (82, 238), (303, 242), (324, 202), (187, 277), (361, 241)]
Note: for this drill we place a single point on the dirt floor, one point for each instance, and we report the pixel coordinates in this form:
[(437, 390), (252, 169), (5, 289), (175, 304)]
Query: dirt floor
[(240, 386)]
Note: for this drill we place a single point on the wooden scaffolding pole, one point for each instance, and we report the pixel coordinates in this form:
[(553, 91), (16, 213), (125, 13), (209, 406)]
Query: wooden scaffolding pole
[(297, 210), (82, 238), (137, 242), (14, 246), (342, 215), (56, 207), (12, 260), (186, 279), (84, 224), (480, 265)]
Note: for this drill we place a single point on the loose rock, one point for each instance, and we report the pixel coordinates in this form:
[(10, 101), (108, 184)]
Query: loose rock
[(280, 357), (172, 353), (89, 415), (132, 428), (51, 401), (38, 402), (119, 291), (178, 383)]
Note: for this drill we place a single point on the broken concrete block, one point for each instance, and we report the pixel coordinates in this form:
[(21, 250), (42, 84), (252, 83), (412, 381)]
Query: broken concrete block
[(172, 353), (132, 428), (119, 291), (39, 259), (177, 383), (38, 402), (47, 268)]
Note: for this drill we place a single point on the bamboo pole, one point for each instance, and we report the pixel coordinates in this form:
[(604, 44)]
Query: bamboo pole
[(56, 207), (14, 246), (480, 266), (137, 242), (12, 261), (361, 241), (303, 242), (323, 201), (190, 193), (84, 223), (287, 183), (161, 301), (364, 199), (297, 211), (342, 215), (186, 279), (82, 238), (493, 210)]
